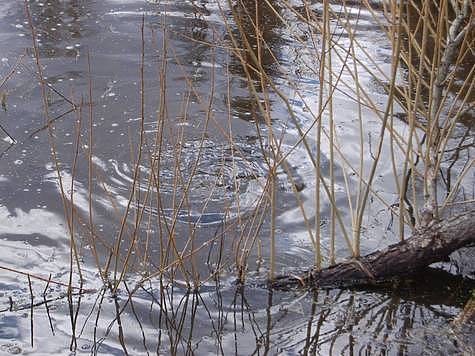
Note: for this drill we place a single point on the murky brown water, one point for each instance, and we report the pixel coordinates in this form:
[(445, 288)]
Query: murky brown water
[(222, 319)]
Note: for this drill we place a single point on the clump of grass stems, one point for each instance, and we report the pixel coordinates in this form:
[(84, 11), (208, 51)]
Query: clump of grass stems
[(453, 42), (427, 77)]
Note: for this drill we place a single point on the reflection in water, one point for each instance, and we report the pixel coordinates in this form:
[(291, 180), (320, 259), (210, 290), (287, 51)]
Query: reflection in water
[(27, 223), (220, 319), (258, 31), (60, 26), (193, 28)]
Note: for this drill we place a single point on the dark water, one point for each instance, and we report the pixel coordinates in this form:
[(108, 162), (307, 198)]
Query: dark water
[(206, 91)]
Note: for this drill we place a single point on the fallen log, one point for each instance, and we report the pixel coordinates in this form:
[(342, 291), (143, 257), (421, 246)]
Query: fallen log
[(426, 246)]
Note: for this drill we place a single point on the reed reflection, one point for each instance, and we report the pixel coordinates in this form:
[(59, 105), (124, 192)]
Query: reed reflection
[(61, 25), (162, 317), (256, 31)]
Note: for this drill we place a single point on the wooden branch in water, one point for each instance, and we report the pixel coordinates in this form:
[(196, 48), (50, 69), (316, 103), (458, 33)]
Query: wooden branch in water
[(430, 245)]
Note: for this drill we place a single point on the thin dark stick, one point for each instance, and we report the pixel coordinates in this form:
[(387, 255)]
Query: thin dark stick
[(46, 305), (31, 310), (47, 125)]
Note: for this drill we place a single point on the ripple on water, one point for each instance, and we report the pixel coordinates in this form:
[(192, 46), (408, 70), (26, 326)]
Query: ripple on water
[(220, 172)]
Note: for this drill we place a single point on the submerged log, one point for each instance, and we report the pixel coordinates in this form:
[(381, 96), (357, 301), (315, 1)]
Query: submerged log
[(426, 246)]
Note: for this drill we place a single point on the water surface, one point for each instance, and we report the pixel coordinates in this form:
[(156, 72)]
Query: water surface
[(207, 112)]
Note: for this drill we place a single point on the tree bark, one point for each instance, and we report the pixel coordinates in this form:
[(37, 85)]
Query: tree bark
[(426, 246)]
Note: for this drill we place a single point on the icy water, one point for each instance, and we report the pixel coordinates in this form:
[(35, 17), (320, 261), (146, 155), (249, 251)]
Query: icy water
[(209, 129)]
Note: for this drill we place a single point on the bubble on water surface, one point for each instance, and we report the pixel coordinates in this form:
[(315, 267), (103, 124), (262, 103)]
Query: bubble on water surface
[(11, 349)]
